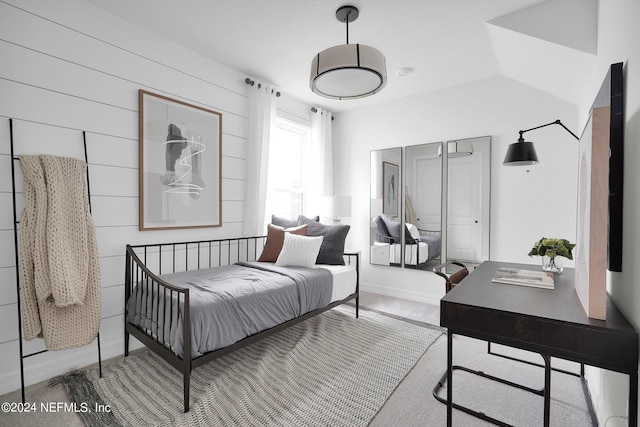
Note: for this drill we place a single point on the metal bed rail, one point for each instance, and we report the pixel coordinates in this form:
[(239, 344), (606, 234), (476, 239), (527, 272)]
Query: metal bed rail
[(168, 258), (161, 303)]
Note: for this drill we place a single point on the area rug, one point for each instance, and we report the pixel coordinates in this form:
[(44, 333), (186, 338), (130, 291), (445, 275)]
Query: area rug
[(332, 369)]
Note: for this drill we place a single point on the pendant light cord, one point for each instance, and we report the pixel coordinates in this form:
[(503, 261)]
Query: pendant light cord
[(347, 22)]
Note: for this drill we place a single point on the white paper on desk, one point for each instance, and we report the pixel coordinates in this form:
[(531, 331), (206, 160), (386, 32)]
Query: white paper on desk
[(533, 278)]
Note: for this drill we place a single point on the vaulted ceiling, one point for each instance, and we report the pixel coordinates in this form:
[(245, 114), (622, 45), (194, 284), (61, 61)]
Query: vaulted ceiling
[(549, 45)]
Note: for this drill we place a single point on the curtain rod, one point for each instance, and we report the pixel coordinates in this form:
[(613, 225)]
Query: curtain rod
[(251, 83), (315, 110)]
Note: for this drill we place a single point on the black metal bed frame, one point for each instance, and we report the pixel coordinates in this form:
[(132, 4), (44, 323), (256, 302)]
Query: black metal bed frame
[(183, 256), (391, 241)]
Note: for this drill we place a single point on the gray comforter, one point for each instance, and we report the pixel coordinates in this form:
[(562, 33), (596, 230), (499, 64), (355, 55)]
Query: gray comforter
[(230, 303), (434, 242)]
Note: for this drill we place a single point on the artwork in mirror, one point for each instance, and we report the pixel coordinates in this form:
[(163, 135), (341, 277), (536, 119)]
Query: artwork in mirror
[(385, 205), (468, 199), (423, 205), (390, 186)]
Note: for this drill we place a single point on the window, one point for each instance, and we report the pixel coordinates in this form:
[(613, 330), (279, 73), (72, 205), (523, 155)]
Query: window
[(287, 165)]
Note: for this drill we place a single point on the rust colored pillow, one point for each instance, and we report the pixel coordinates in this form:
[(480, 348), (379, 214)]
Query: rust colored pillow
[(275, 240)]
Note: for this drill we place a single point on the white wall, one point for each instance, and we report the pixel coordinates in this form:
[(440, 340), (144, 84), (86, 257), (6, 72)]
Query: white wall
[(618, 35), (526, 203), (67, 67)]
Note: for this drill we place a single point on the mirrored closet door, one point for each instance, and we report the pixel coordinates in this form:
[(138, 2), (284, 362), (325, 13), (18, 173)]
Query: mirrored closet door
[(423, 205), (386, 206), (430, 205), (468, 199)]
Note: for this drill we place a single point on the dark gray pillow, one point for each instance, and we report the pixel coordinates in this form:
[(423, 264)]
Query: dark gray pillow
[(287, 223), (394, 226), (382, 234), (334, 236)]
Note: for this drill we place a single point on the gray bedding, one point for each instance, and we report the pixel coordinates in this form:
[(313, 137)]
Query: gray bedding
[(230, 303), (433, 242)]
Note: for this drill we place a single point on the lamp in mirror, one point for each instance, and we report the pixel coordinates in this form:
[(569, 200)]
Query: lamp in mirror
[(348, 71), (376, 207), (337, 207), (457, 149), (523, 153)]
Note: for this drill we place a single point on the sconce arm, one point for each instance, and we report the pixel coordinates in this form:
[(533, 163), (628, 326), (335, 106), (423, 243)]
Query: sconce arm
[(557, 122)]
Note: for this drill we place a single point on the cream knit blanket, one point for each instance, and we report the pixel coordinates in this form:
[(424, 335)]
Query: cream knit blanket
[(59, 265)]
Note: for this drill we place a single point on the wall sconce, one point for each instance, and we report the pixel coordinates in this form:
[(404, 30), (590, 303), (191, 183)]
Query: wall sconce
[(523, 153)]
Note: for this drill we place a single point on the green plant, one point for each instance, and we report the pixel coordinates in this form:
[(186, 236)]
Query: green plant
[(552, 247)]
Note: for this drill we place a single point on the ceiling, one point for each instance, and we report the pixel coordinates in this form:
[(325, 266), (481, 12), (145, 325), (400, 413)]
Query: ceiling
[(446, 42)]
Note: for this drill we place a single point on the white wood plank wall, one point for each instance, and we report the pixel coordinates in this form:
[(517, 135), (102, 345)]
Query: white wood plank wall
[(67, 67)]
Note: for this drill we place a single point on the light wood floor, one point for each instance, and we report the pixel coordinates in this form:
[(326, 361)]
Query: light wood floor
[(427, 313)]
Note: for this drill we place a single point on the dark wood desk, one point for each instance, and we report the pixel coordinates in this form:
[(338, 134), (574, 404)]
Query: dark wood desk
[(550, 322)]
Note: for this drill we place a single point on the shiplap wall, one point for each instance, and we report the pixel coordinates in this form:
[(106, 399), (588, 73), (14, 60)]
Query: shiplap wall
[(67, 67)]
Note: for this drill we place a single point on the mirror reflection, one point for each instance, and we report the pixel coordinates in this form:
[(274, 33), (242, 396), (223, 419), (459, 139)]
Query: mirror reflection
[(468, 199), (429, 206), (423, 205), (386, 206)]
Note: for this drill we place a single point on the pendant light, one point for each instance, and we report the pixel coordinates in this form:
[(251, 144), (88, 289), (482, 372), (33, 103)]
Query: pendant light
[(348, 71)]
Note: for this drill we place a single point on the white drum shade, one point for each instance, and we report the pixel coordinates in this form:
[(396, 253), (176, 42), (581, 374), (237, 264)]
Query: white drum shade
[(348, 71)]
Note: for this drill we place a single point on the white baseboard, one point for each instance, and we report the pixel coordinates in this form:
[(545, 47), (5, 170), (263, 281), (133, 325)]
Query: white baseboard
[(410, 295)]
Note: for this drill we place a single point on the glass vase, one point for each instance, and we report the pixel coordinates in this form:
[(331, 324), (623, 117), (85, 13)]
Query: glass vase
[(553, 265)]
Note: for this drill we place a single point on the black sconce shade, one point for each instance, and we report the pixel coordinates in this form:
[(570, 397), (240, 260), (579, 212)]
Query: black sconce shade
[(521, 153)]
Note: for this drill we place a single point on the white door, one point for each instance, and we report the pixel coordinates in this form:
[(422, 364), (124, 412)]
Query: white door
[(428, 198), (465, 231)]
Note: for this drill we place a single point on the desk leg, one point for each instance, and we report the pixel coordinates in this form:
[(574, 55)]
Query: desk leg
[(633, 399), (449, 378), (547, 389)]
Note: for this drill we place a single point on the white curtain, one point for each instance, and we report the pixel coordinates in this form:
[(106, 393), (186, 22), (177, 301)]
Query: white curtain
[(262, 117), (320, 170)]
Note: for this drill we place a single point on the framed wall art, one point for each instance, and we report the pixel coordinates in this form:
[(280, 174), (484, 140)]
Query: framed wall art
[(390, 188), (600, 195), (180, 151), (591, 218)]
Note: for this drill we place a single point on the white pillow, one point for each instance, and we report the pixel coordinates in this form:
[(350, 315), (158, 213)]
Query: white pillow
[(299, 251), (413, 230)]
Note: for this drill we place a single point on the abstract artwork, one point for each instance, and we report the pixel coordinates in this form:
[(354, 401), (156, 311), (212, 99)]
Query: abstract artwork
[(179, 164), (600, 195), (591, 233)]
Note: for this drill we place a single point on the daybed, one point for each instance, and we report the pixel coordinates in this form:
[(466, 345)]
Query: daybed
[(420, 246), (192, 302)]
